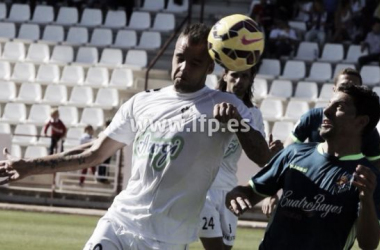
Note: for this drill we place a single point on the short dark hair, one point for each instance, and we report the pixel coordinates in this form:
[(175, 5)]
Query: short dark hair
[(197, 33), (366, 103), (247, 99), (350, 72)]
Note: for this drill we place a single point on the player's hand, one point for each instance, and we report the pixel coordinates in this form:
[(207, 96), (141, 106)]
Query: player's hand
[(237, 200), (224, 112), (12, 168), (275, 146), (269, 204), (365, 181)]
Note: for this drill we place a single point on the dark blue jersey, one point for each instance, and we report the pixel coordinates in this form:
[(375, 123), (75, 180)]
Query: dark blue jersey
[(319, 205), (308, 128)]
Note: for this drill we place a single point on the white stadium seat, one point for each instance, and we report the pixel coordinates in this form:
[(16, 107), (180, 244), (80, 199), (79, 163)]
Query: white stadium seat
[(111, 58), (353, 54), (67, 16), (320, 72), (139, 21), (272, 109), (115, 19), (340, 67), (121, 78), (326, 92), (81, 96), (7, 31), (72, 75), (295, 109), (55, 95), (35, 152), (77, 36), (23, 72), (281, 89), (164, 22), (16, 151), (29, 93), (73, 137), (62, 55), (125, 39), (307, 51), (136, 59), (39, 114), (149, 40), (48, 74), (93, 117), (19, 13), (68, 115), (107, 98), (269, 69), (25, 135), (87, 55), (153, 5), (14, 113), (294, 71), (91, 18), (5, 70), (101, 38), (370, 75), (281, 130), (175, 8), (43, 14), (38, 53), (7, 91), (14, 51), (260, 88), (306, 91), (333, 53), (5, 128), (28, 33), (3, 11), (53, 34), (97, 77)]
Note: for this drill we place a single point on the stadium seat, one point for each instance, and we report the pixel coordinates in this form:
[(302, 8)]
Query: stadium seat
[(19, 13), (97, 77), (298, 25), (62, 55), (29, 93), (55, 95), (136, 59), (149, 40), (43, 14), (101, 38), (139, 21), (353, 54), (67, 16), (370, 75), (260, 88), (153, 5), (53, 34), (295, 109), (25, 135), (294, 71), (115, 19), (73, 137), (14, 113), (111, 58), (23, 72), (281, 130), (321, 104), (269, 69), (340, 67), (3, 11), (125, 39), (87, 55), (16, 151), (307, 51), (72, 75), (68, 115), (272, 109), (7, 91), (38, 53), (35, 152), (5, 70), (28, 33), (93, 117), (121, 78), (320, 72), (376, 90), (333, 53), (14, 51), (48, 74), (164, 22), (326, 92), (306, 91), (5, 128), (266, 130), (175, 8), (91, 18), (107, 98), (212, 81), (7, 31), (77, 36), (39, 114), (281, 89), (81, 96)]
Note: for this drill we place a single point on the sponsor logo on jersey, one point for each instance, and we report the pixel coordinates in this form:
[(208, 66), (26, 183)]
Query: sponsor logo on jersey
[(298, 168), (316, 204), (161, 151), (232, 147)]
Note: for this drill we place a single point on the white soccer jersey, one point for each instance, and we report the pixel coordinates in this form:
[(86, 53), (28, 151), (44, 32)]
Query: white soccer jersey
[(226, 178), (172, 169)]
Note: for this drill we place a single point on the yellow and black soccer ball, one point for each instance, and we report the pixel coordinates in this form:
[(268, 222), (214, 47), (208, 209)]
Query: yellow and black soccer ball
[(235, 42)]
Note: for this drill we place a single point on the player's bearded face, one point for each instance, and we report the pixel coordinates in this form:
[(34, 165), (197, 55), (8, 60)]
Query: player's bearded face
[(190, 66), (340, 117)]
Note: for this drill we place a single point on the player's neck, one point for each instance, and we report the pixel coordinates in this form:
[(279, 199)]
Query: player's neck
[(342, 147)]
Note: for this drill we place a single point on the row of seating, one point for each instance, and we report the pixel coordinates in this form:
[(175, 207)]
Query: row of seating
[(62, 54), (15, 113), (69, 16), (80, 36), (320, 72), (81, 96), (71, 75)]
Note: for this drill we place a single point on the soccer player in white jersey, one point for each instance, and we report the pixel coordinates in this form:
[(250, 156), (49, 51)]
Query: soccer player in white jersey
[(172, 167), (218, 223)]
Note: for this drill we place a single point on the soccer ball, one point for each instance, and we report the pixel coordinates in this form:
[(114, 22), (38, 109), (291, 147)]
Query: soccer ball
[(235, 42)]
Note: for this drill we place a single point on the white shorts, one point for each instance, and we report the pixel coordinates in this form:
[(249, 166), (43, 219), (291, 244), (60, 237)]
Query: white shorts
[(108, 235), (216, 219)]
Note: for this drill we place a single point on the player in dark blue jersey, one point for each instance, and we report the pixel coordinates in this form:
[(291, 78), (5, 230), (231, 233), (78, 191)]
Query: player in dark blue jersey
[(331, 192)]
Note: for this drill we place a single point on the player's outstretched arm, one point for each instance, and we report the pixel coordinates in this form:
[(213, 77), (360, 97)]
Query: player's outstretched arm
[(241, 198), (368, 229), (251, 140), (82, 157)]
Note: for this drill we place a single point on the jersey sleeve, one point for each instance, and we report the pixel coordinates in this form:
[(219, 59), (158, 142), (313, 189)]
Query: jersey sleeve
[(371, 146), (301, 130), (122, 127), (270, 179)]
